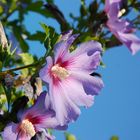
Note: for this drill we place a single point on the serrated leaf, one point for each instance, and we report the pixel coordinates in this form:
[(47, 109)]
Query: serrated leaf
[(51, 36), (46, 29), (38, 36)]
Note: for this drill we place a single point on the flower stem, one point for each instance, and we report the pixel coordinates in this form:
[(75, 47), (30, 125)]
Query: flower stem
[(39, 63), (18, 68)]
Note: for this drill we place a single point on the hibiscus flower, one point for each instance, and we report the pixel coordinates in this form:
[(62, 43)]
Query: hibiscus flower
[(121, 28), (33, 120), (67, 75)]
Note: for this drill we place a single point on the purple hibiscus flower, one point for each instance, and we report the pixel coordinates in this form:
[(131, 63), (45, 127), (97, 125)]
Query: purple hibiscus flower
[(68, 77), (35, 119), (121, 28)]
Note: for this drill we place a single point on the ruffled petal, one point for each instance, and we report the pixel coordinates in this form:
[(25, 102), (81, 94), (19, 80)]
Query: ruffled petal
[(23, 136), (40, 111), (121, 28), (41, 116), (131, 41), (66, 110), (76, 93), (13, 131), (112, 8), (10, 131), (86, 57), (66, 35), (120, 25), (61, 49), (45, 71), (51, 123), (91, 84)]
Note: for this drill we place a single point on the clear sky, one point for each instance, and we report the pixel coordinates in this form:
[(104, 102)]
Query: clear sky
[(117, 109)]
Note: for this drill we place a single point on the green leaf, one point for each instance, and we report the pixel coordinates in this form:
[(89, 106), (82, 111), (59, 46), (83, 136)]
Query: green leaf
[(1, 9), (35, 6), (70, 136), (83, 9), (5, 56), (51, 36), (26, 59), (38, 8), (20, 32), (114, 138), (50, 1), (46, 29), (1, 90), (93, 8), (13, 5), (0, 65), (38, 36)]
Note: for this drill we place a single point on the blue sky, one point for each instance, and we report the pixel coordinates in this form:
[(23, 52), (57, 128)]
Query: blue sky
[(116, 110)]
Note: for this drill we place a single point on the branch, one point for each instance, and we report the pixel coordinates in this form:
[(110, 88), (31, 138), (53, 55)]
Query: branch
[(58, 15)]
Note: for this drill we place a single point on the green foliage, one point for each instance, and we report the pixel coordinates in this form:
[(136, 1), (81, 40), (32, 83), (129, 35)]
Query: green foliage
[(27, 59), (51, 36), (69, 136), (38, 36), (114, 138), (0, 65), (6, 56)]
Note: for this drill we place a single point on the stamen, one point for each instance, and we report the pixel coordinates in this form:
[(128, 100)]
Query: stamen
[(27, 127), (121, 12), (61, 72)]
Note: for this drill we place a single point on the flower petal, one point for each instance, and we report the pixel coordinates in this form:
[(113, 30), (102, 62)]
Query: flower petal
[(66, 35), (131, 41), (120, 25), (40, 111), (76, 93), (10, 131), (40, 114), (45, 71), (121, 28), (51, 123), (66, 110), (23, 136), (112, 8), (91, 84), (61, 49), (86, 57)]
